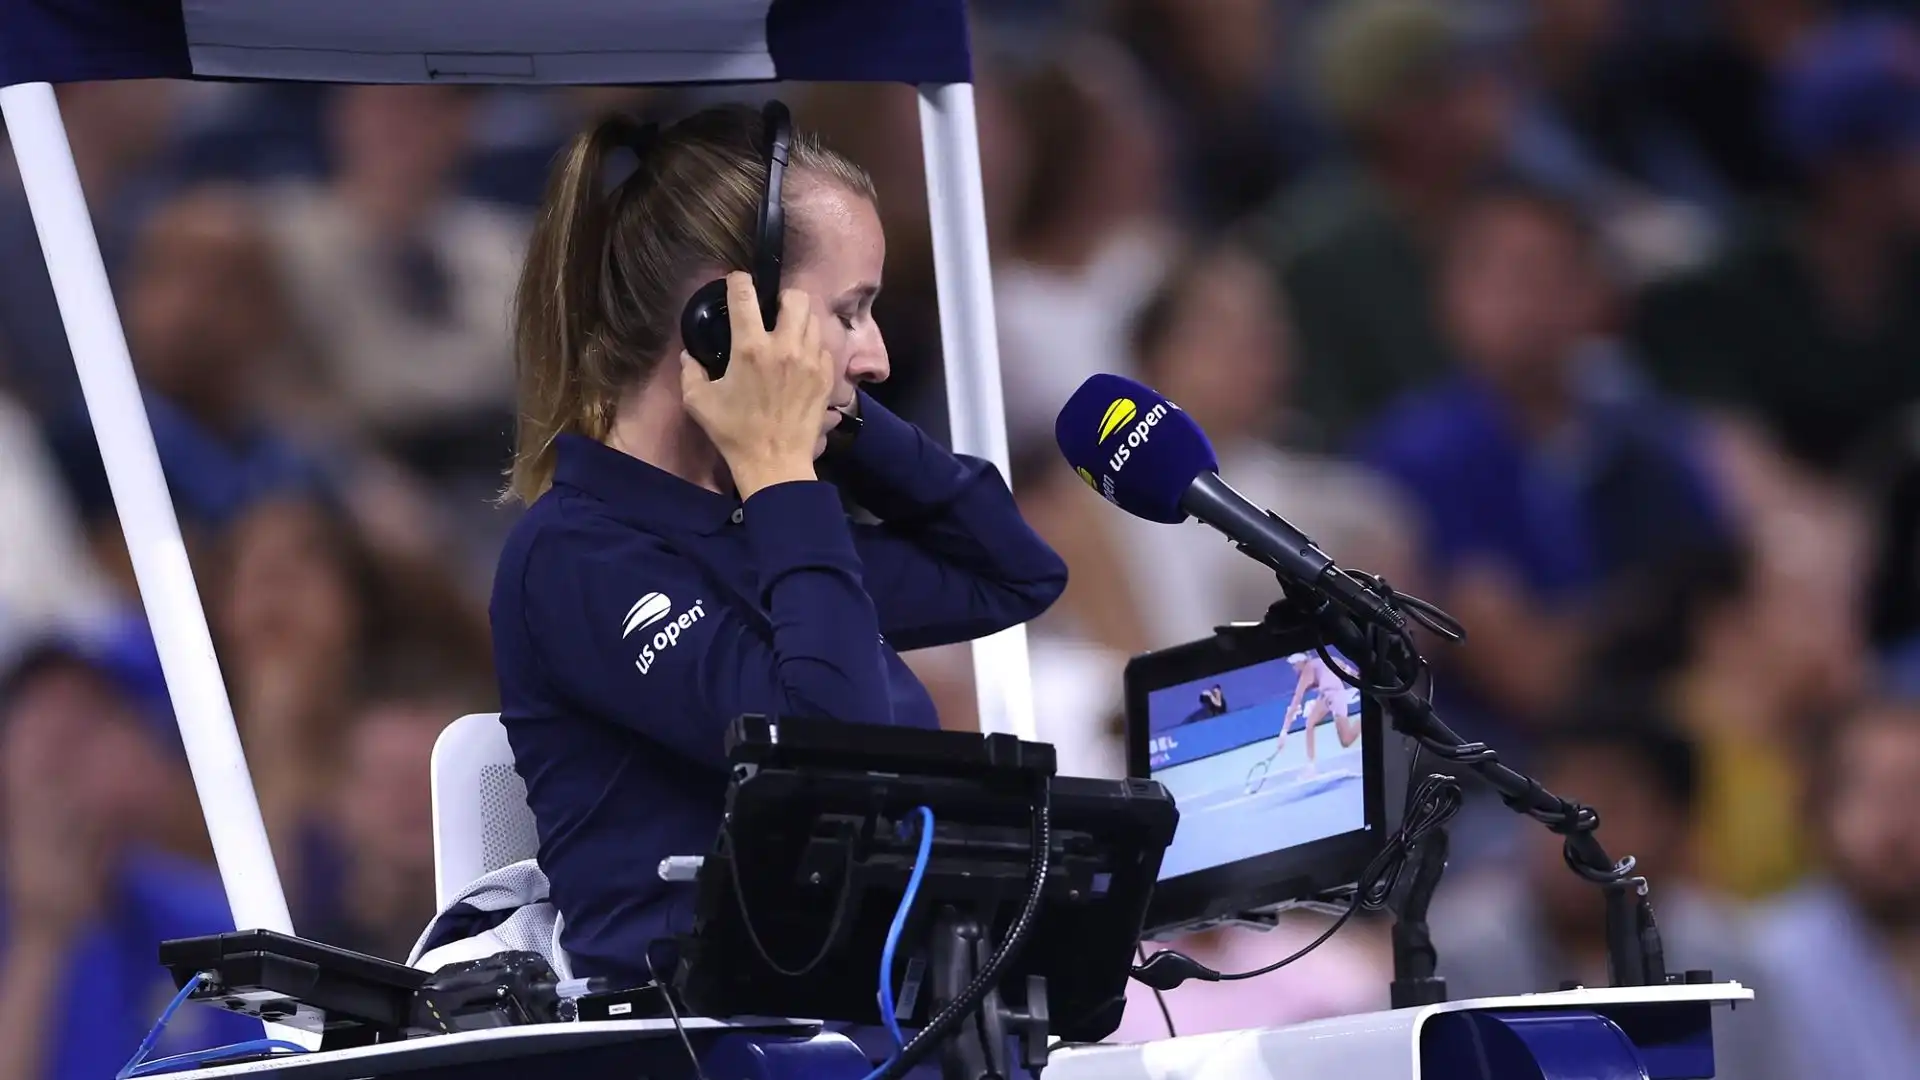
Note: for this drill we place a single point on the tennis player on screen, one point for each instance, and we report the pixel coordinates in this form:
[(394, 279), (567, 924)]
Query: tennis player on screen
[(1334, 697)]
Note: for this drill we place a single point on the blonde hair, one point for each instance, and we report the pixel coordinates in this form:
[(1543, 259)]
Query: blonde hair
[(607, 272)]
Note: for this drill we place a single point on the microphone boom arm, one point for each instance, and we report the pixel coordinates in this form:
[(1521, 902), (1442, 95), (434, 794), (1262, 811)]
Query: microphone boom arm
[(1372, 632)]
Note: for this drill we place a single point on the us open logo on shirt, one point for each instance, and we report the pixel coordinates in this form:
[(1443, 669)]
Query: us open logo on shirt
[(654, 608), (646, 611)]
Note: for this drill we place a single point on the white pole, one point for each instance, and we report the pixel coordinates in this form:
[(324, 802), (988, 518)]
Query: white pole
[(146, 510), (957, 210)]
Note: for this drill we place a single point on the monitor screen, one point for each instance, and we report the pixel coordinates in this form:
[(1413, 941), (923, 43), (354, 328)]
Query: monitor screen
[(1259, 759)]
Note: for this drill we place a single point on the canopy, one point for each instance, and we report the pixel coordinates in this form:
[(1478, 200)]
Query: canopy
[(497, 42), (524, 42)]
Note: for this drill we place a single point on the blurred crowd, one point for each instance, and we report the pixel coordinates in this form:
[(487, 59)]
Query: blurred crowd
[(1595, 321)]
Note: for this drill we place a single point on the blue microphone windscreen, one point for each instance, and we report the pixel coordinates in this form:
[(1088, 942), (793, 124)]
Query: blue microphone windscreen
[(1134, 447)]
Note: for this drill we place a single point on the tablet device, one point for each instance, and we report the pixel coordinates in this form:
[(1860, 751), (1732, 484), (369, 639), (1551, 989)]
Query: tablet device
[(1275, 765)]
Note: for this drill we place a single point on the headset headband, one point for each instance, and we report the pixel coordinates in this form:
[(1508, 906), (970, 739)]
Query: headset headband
[(770, 229)]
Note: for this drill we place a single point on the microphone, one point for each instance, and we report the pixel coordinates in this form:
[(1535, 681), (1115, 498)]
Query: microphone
[(1142, 454)]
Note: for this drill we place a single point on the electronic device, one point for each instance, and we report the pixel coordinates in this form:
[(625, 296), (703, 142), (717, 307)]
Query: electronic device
[(345, 997), (647, 1002), (813, 861), (506, 989), (1262, 827), (704, 328)]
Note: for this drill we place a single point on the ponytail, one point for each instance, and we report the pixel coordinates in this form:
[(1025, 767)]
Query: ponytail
[(557, 311), (598, 304)]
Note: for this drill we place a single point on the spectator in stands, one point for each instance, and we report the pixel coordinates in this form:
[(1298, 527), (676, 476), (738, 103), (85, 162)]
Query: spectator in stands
[(1423, 120), (382, 819), (1214, 337), (307, 614), (403, 284), (1218, 339), (1747, 650), (1589, 125), (1500, 933), (95, 791), (209, 339), (1843, 953), (1237, 125), (1811, 323), (1089, 235), (1542, 476), (118, 132)]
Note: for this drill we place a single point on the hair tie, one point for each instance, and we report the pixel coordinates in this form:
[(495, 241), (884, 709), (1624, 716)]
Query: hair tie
[(641, 141)]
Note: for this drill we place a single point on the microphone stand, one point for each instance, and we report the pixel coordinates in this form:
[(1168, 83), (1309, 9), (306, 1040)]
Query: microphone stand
[(1374, 637), (1415, 961)]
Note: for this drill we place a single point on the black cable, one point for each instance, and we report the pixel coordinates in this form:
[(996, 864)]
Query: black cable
[(1390, 669), (1433, 801), (673, 1011), (1159, 997), (833, 926), (969, 999)]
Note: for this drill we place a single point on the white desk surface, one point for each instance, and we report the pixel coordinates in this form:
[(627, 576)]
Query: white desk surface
[(1388, 1037), (1376, 1046), (494, 1044)]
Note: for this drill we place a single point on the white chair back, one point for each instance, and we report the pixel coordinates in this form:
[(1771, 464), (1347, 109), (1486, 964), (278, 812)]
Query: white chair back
[(481, 821)]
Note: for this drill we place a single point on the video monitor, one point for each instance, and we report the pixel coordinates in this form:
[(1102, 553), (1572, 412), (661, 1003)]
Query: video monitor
[(1274, 763)]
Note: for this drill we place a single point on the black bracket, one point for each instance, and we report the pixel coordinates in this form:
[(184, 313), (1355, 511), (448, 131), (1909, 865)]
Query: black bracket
[(978, 1048)]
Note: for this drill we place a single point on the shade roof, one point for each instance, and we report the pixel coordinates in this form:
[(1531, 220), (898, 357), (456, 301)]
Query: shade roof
[(498, 42)]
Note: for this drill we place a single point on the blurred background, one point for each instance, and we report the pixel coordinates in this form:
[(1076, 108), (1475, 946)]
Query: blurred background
[(1596, 321)]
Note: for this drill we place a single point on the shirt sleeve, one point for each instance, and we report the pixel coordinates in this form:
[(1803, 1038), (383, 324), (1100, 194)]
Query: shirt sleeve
[(637, 634), (951, 559)]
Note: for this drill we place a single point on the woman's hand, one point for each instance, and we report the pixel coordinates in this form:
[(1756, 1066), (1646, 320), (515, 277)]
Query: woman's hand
[(768, 413)]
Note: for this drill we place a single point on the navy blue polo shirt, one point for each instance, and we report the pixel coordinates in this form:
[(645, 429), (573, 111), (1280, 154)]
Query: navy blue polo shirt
[(635, 615)]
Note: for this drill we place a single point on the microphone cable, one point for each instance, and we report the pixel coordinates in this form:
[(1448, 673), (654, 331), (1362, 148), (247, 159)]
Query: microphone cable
[(1430, 803), (1389, 669), (679, 1026)]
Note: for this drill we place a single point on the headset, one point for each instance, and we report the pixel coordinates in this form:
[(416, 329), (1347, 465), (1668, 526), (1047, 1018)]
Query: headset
[(704, 329)]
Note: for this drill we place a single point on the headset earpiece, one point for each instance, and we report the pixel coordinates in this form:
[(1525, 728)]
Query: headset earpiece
[(704, 328)]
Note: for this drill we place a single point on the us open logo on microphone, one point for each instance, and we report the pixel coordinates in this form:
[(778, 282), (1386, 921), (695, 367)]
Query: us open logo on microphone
[(653, 608), (1117, 416)]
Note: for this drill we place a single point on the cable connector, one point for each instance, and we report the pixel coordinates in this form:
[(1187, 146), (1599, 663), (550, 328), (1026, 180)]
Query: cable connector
[(1166, 969)]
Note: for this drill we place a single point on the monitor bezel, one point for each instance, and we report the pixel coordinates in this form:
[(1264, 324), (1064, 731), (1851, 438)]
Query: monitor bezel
[(1305, 872)]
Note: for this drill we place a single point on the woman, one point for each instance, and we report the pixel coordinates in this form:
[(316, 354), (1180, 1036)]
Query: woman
[(1334, 697), (682, 563)]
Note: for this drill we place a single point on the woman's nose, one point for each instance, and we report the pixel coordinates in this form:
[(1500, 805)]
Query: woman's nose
[(869, 363)]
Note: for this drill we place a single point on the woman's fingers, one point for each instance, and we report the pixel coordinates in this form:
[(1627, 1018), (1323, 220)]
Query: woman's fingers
[(743, 310)]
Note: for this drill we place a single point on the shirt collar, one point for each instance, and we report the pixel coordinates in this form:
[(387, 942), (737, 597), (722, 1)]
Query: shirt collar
[(636, 491)]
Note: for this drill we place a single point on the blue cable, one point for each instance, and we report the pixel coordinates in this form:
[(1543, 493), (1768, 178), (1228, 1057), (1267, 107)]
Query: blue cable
[(899, 927), (139, 1066), (198, 1058), (159, 1026)]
